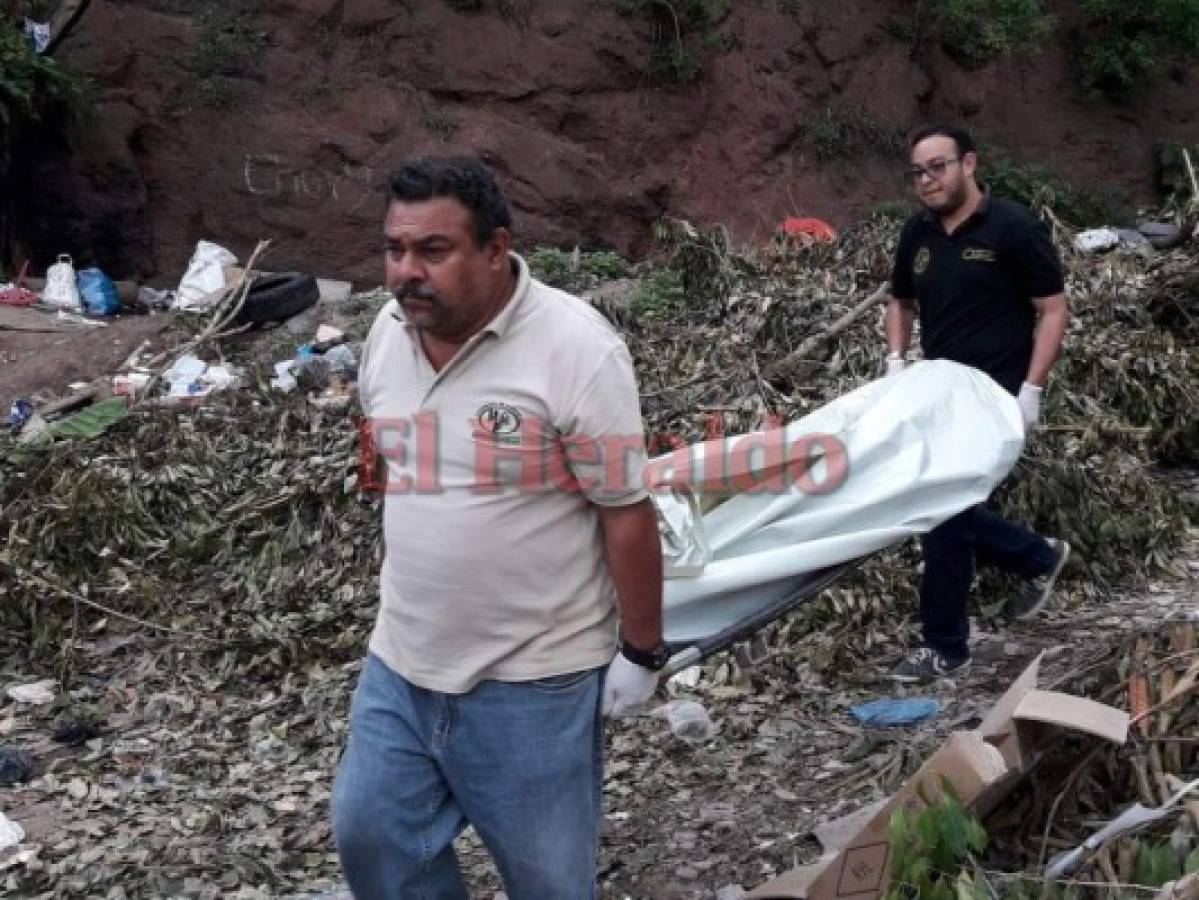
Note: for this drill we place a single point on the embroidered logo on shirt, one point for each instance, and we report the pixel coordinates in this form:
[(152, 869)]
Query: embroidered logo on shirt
[(499, 420), (978, 254), (920, 263)]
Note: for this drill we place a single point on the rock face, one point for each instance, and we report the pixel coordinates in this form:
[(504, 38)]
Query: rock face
[(280, 119)]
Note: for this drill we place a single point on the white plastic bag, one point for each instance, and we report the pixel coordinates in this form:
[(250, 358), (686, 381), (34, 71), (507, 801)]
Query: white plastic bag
[(205, 274), (61, 289)]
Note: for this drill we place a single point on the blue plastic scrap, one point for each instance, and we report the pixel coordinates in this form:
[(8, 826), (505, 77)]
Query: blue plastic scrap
[(896, 710)]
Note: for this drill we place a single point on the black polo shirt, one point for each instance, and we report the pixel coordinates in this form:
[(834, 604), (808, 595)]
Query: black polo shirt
[(975, 287)]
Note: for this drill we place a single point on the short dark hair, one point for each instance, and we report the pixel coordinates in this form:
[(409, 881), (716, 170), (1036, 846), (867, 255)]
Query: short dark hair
[(962, 140), (463, 178)]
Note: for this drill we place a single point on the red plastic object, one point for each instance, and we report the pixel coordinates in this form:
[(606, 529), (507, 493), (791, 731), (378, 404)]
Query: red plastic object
[(817, 229), (18, 295)]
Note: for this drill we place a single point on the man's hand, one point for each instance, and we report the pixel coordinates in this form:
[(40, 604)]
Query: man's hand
[(1029, 400), (626, 686)]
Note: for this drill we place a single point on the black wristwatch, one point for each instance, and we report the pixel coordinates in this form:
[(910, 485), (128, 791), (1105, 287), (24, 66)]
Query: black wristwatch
[(655, 660)]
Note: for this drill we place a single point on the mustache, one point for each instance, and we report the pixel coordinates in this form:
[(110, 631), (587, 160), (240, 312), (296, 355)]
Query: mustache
[(417, 290)]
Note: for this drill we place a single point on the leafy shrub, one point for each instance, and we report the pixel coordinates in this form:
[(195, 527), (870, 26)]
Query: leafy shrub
[(1035, 185), (33, 88), (575, 271), (931, 849), (845, 131), (1127, 43), (977, 31), (678, 26)]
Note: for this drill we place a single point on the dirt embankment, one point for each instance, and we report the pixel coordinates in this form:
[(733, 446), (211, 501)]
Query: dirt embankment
[(236, 121)]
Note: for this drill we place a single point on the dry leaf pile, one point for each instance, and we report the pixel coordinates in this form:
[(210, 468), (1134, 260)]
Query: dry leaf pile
[(203, 581)]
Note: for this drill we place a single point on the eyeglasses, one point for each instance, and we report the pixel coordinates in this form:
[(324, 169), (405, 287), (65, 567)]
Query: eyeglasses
[(934, 170)]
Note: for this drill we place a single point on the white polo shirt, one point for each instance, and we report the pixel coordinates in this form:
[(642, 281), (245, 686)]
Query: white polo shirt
[(493, 560)]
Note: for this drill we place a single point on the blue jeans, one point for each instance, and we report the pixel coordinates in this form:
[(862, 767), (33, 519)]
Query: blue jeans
[(950, 551), (520, 761)]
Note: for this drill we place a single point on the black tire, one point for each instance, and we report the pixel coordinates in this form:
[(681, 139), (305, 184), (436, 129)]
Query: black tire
[(273, 298)]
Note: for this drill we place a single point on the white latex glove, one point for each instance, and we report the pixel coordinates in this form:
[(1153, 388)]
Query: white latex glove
[(1029, 400), (895, 365), (626, 686)]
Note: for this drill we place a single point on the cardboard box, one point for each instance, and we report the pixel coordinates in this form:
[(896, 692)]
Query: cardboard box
[(982, 765)]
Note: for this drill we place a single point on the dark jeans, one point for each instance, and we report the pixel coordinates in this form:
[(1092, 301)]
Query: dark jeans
[(950, 551)]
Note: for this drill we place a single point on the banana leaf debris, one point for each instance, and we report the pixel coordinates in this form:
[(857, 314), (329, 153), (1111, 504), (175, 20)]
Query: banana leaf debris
[(200, 583)]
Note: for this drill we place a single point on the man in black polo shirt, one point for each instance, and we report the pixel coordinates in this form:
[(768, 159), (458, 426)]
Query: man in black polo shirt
[(983, 275)]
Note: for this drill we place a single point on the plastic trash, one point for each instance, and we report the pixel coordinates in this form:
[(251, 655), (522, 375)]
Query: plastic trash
[(205, 274), (38, 34), (15, 765), (1096, 240), (155, 299), (813, 229), (60, 289), (19, 413), (341, 360), (688, 719), (38, 693), (284, 380), (98, 293), (896, 710), (11, 833)]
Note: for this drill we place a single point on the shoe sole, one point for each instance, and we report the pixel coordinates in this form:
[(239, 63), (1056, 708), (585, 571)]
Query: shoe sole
[(1048, 592), (918, 679)]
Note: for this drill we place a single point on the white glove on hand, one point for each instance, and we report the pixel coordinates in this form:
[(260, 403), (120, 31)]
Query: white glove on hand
[(1029, 400), (626, 686), (895, 365)]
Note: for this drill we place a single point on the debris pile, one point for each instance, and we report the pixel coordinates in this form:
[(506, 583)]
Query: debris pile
[(230, 544)]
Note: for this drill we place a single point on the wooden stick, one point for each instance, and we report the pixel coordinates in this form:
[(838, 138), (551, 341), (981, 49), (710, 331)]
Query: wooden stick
[(796, 356), (1186, 158)]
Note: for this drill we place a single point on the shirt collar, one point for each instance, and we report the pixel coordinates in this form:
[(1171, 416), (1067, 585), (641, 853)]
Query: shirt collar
[(502, 321)]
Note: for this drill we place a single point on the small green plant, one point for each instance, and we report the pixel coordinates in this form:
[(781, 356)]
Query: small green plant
[(35, 92), (228, 45), (575, 270), (1156, 862), (845, 131), (977, 31), (932, 850), (1170, 175), (1128, 43), (1035, 186), (683, 29), (660, 294)]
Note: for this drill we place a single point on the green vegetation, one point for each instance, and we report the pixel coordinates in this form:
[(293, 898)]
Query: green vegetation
[(1170, 175), (35, 91), (1128, 43), (575, 271), (977, 31), (930, 850), (844, 131), (228, 46), (683, 30), (1037, 186)]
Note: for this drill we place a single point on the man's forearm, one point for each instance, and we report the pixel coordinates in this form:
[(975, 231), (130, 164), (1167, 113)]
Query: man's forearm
[(633, 552), (1047, 342), (899, 326)]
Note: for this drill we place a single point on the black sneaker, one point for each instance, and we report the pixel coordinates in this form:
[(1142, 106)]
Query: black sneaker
[(1036, 591), (926, 664)]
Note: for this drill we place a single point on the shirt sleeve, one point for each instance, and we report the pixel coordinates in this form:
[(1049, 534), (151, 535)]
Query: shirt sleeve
[(1033, 259), (603, 436), (902, 286)]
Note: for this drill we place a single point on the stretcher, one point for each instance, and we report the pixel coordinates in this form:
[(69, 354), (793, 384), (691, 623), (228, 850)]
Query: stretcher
[(755, 525)]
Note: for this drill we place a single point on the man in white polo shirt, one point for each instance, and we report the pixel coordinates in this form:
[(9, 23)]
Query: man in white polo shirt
[(517, 535)]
